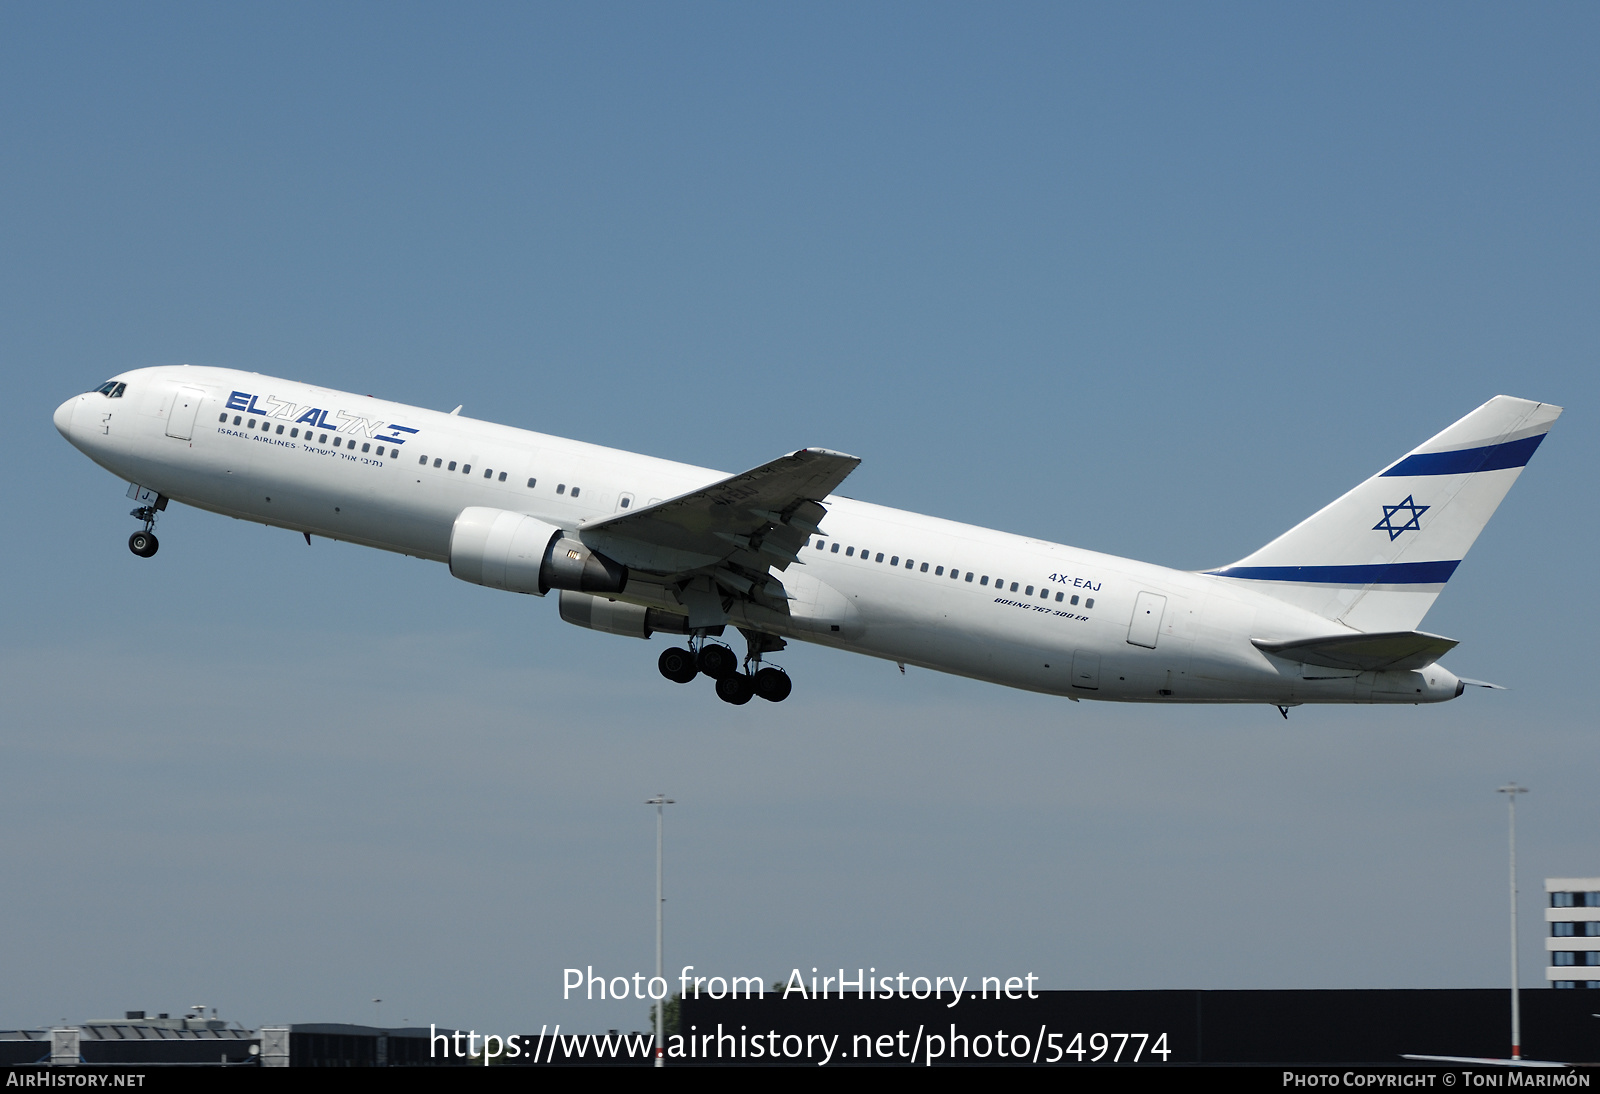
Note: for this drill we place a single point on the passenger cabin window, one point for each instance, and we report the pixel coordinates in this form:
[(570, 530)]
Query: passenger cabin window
[(502, 476), (835, 549), (452, 466), (1089, 603), (532, 483), (969, 576), (985, 580), (895, 561), (561, 488), (938, 571), (848, 551), (223, 419), (466, 468), (294, 432), (365, 447), (236, 419), (821, 543), (1074, 598), (1014, 587), (879, 558), (625, 501), (924, 567), (574, 491)]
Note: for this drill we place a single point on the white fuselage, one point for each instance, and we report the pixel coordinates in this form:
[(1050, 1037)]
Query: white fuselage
[(1062, 622)]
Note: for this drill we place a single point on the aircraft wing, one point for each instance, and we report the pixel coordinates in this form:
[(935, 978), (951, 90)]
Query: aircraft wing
[(734, 531), (1366, 652)]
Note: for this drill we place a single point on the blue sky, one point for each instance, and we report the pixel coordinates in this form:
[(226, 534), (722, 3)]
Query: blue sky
[(1157, 281)]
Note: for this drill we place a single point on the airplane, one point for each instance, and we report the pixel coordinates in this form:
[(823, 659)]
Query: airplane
[(634, 545)]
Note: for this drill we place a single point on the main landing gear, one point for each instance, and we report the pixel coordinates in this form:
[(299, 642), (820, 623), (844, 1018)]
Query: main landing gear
[(144, 544), (721, 664)]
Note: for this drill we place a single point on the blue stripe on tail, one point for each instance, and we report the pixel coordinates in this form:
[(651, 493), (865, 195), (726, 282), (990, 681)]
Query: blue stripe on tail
[(1493, 457)]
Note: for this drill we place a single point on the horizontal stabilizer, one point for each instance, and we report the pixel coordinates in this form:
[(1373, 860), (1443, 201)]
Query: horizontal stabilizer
[(1400, 650), (1482, 684)]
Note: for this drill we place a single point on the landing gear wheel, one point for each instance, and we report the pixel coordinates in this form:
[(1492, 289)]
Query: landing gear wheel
[(719, 663), (143, 544), (735, 689), (677, 665), (772, 684)]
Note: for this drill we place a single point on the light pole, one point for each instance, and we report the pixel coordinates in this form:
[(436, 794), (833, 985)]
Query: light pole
[(1511, 790), (660, 801)]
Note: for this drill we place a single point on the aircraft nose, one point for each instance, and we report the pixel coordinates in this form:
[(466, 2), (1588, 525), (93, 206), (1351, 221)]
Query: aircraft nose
[(63, 417)]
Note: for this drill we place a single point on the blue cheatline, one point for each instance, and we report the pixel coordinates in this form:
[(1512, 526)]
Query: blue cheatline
[(1386, 573)]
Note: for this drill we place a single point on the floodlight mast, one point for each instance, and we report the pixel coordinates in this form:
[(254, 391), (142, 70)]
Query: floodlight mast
[(1511, 790), (660, 801)]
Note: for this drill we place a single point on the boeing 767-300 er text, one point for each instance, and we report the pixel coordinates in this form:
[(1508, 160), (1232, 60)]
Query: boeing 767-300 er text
[(1326, 613)]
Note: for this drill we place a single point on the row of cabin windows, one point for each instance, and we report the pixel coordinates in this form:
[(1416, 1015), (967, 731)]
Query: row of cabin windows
[(955, 574), (1575, 983), (1575, 900), (466, 469), (488, 473), (346, 442), (1590, 929)]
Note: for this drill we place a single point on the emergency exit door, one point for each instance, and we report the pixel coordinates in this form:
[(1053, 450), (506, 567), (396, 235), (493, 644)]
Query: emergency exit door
[(180, 423), (1145, 626)]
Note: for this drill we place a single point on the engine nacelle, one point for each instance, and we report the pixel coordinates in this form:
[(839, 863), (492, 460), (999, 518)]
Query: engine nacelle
[(523, 554), (614, 617)]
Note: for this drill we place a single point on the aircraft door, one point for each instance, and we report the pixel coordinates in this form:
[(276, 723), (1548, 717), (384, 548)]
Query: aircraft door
[(180, 423), (1085, 669), (1148, 609)]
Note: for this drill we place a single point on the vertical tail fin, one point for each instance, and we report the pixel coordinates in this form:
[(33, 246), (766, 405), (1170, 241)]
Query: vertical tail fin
[(1376, 558)]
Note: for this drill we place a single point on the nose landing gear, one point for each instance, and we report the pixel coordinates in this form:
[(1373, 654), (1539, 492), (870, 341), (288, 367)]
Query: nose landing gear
[(144, 544)]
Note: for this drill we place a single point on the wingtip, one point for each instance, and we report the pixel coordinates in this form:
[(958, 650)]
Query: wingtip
[(827, 452)]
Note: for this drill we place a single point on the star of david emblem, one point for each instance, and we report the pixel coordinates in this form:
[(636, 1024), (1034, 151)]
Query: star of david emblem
[(1408, 506)]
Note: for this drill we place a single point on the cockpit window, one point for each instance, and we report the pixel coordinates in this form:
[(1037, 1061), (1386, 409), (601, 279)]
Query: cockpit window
[(111, 389)]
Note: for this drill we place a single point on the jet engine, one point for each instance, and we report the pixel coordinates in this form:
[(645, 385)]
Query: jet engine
[(615, 617), (523, 554)]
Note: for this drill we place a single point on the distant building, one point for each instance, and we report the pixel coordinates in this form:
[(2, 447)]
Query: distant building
[(1574, 938), (133, 1039)]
